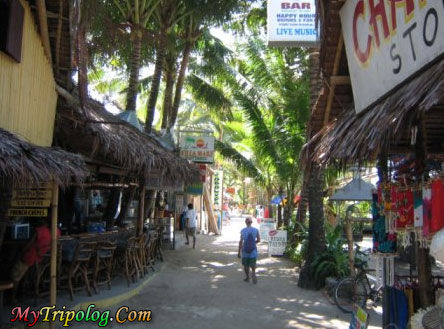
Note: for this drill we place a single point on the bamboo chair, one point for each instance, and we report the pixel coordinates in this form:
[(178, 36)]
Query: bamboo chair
[(131, 263), (104, 263), (149, 253), (43, 273), (80, 267)]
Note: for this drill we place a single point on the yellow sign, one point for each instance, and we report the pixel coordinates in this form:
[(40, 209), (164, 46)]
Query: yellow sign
[(42, 186), (17, 212), (33, 203), (29, 194)]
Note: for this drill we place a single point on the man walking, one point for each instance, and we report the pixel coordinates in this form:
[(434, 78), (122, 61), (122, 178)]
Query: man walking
[(190, 224), (247, 243)]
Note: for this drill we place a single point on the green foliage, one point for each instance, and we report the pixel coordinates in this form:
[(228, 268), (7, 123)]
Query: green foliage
[(334, 260), (298, 244)]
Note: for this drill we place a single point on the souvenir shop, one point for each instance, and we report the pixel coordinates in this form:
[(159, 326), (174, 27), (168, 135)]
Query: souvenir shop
[(409, 212)]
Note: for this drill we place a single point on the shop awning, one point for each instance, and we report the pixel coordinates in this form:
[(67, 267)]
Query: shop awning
[(357, 190)]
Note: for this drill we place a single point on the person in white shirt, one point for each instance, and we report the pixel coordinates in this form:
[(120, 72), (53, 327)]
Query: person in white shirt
[(190, 224)]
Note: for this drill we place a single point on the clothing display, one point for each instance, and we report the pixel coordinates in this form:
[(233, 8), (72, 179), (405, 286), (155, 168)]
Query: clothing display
[(418, 208), (437, 221), (427, 210), (404, 201)]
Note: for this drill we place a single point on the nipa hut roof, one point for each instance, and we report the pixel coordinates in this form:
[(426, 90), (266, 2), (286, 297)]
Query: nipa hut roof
[(25, 163), (353, 137), (338, 133), (104, 137)]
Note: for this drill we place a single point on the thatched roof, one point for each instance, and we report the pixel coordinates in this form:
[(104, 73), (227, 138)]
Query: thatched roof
[(23, 162), (353, 137), (103, 137), (337, 133)]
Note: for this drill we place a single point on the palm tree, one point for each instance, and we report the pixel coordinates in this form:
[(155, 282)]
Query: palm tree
[(167, 15), (274, 100)]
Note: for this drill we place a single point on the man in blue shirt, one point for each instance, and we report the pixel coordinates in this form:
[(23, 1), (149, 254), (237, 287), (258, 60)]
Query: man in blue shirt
[(247, 243)]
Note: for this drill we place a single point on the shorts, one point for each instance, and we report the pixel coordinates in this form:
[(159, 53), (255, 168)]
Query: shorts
[(248, 262), (18, 271), (191, 231)]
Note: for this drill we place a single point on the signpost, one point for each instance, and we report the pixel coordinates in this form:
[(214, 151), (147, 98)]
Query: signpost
[(31, 201), (266, 225), (277, 242), (197, 148), (292, 23), (388, 42)]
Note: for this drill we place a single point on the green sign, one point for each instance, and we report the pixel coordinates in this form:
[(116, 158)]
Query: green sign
[(195, 189)]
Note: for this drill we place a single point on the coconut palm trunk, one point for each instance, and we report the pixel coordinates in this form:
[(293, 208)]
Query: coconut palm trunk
[(82, 62), (133, 83), (155, 84), (180, 82), (316, 239), (167, 98)]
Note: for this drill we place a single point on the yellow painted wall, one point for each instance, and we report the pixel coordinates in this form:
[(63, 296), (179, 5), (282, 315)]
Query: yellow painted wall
[(28, 98)]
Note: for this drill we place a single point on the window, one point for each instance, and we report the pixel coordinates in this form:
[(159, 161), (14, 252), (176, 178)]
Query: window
[(12, 16)]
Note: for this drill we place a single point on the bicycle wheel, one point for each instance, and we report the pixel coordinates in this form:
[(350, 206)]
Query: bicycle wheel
[(349, 292)]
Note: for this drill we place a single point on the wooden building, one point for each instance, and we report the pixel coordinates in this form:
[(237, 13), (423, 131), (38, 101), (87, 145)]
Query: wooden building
[(406, 121)]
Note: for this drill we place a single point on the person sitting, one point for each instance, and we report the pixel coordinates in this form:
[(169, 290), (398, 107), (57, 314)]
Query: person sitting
[(34, 251)]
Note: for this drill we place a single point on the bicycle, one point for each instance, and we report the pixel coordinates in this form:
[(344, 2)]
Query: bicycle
[(356, 290)]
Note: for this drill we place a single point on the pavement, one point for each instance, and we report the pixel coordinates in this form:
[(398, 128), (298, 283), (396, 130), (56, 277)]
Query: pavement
[(204, 288)]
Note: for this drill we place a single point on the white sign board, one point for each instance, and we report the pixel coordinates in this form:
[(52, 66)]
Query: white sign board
[(292, 23), (266, 225), (277, 242), (387, 42), (217, 189), (197, 148)]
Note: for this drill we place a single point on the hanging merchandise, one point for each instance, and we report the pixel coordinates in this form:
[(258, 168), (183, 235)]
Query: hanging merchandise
[(437, 246), (398, 307), (384, 236), (426, 210), (437, 221), (418, 206), (404, 201)]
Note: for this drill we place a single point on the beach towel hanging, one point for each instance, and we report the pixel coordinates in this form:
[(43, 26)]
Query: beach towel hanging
[(437, 221), (426, 210), (418, 206)]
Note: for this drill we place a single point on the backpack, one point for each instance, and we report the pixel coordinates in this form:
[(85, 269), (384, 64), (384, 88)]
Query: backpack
[(250, 243)]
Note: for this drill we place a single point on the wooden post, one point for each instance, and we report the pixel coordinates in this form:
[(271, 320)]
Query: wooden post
[(141, 216), (53, 269), (349, 232), (43, 21)]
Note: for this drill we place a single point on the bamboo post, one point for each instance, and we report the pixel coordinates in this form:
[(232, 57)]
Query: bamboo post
[(43, 20), (140, 218), (53, 269), (349, 232)]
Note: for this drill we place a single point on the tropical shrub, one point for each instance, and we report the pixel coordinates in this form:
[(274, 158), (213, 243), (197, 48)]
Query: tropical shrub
[(333, 261)]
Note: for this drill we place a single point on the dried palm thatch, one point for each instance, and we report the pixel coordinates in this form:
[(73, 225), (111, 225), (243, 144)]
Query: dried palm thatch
[(25, 163), (354, 138), (98, 134)]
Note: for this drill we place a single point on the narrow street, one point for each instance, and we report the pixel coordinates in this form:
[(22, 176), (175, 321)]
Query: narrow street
[(204, 288)]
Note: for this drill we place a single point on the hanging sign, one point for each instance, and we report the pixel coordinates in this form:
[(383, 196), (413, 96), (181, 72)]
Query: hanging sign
[(154, 180), (33, 203), (292, 23), (203, 172), (29, 194), (197, 148), (195, 189), (21, 212), (217, 188), (277, 242), (389, 41), (179, 203)]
